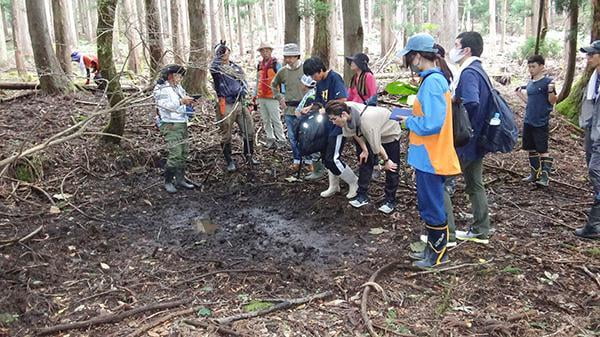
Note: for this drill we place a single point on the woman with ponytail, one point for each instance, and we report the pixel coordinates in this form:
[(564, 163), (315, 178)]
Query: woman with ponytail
[(363, 87)]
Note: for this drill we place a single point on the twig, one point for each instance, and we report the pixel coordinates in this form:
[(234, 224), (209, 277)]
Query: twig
[(24, 238), (141, 330), (110, 318), (224, 271), (279, 306), (441, 270), (365, 296), (590, 274), (206, 325)]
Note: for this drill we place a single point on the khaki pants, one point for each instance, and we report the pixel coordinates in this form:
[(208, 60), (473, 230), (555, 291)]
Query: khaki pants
[(241, 116), (269, 112), (176, 136)]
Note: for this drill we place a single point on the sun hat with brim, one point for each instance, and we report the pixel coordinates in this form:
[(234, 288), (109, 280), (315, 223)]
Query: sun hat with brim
[(419, 42), (291, 49), (361, 60), (594, 48), (264, 45)]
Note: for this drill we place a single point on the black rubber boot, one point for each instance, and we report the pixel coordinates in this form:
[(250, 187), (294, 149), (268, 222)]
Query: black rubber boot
[(180, 179), (545, 173), (534, 163), (169, 177), (249, 153), (435, 252), (227, 155), (591, 230)]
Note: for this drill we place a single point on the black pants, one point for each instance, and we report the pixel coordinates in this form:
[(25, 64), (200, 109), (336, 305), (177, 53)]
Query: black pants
[(331, 156), (365, 171)]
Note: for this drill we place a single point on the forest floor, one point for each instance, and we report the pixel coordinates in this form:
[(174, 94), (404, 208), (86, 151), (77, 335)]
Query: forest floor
[(119, 242)]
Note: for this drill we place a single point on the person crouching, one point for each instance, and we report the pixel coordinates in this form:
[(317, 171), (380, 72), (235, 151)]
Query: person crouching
[(174, 110)]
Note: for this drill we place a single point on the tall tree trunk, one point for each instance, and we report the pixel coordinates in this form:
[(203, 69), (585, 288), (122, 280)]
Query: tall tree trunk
[(449, 29), (3, 48), (176, 28), (52, 78), (492, 24), (228, 15), (106, 19), (292, 22), (50, 23), (213, 23), (222, 34), (307, 30), (571, 106), (333, 33), (19, 28), (265, 16), (387, 36), (61, 31), (353, 33), (185, 23), (322, 37), (239, 30), (571, 50), (369, 10), (72, 23), (195, 79), (250, 17), (155, 40), (133, 37), (504, 23)]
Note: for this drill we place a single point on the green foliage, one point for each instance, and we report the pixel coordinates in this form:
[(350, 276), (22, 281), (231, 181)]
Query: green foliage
[(594, 252), (256, 306), (571, 105), (548, 48), (512, 270), (204, 312), (8, 318), (402, 90)]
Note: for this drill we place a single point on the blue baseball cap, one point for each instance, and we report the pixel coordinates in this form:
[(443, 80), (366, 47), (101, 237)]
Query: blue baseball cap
[(418, 42)]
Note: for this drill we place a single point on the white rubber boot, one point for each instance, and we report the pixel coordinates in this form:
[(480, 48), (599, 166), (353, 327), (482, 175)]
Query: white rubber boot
[(334, 186), (352, 180)]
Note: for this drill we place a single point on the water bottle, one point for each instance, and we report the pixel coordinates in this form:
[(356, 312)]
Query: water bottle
[(495, 121)]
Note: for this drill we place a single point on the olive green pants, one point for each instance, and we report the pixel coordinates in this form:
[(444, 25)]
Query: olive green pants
[(176, 136)]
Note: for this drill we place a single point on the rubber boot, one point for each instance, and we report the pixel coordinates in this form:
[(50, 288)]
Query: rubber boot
[(317, 173), (534, 163), (591, 230), (169, 176), (249, 153), (436, 251), (545, 174), (352, 180), (227, 155), (334, 186), (180, 179)]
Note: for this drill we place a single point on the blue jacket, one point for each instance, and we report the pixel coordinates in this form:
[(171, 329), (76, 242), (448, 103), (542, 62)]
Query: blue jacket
[(229, 81), (475, 95)]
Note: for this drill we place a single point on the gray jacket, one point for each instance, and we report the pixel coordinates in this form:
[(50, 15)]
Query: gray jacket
[(589, 118)]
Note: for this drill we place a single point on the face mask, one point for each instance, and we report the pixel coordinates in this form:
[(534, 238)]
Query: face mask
[(455, 55)]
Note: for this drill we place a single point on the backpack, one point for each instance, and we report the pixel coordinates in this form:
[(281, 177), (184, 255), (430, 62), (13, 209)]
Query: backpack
[(462, 132), (502, 136), (311, 133)]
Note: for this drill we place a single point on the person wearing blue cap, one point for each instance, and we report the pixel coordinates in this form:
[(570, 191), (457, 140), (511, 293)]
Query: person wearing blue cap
[(431, 150), (589, 120), (88, 64)]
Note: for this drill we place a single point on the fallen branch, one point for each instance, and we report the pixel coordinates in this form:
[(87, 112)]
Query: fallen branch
[(279, 306), (225, 271), (23, 239), (110, 318), (441, 270), (206, 325), (365, 296), (590, 274), (141, 330)]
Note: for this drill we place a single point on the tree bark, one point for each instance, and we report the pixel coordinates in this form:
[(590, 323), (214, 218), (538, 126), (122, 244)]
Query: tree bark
[(230, 35), (449, 29), (307, 30), (49, 17), (176, 38), (155, 40), (72, 26), (263, 4), (106, 20), (571, 50), (19, 27), (387, 35), (239, 30), (52, 78), (250, 16), (132, 32), (292, 22), (353, 33), (595, 20), (61, 32), (213, 23), (504, 23), (222, 33), (492, 24), (195, 79), (322, 37), (3, 47), (86, 22)]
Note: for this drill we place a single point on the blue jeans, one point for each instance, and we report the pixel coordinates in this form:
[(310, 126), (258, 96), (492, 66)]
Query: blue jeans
[(290, 122)]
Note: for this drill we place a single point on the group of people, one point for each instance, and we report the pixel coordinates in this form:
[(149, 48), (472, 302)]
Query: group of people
[(306, 88)]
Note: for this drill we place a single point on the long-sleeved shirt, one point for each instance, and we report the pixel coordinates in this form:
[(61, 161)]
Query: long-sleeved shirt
[(374, 125), (168, 102), (290, 77), (229, 80), (371, 85)]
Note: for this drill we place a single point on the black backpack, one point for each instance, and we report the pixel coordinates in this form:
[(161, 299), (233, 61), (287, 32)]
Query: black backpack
[(311, 132)]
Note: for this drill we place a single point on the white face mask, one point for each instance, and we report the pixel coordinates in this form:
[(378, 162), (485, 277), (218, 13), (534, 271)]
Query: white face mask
[(455, 55)]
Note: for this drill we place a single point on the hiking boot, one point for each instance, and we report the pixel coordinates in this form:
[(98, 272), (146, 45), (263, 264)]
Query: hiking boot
[(180, 179), (451, 240), (169, 177), (334, 186), (591, 230), (351, 179), (388, 207), (249, 153), (473, 236), (534, 164), (295, 167), (227, 155), (546, 168), (318, 172), (360, 201), (435, 252)]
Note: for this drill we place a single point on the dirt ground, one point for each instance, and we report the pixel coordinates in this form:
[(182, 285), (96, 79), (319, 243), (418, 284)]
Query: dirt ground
[(120, 242)]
